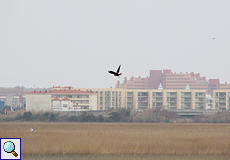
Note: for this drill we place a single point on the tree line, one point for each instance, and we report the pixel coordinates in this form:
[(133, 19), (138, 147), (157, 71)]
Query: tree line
[(120, 115)]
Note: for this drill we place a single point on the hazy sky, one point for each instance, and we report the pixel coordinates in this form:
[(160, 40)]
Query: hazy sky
[(75, 42)]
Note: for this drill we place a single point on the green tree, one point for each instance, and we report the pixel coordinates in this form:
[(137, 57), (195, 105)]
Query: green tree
[(83, 117), (91, 118), (53, 116), (124, 114), (72, 119), (27, 116), (100, 118), (114, 117)]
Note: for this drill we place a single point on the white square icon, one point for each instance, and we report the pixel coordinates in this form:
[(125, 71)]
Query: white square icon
[(10, 148)]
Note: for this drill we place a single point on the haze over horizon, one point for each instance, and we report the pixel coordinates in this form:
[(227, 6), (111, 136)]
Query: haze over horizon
[(74, 43)]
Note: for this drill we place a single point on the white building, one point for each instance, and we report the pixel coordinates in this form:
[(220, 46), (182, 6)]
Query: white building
[(61, 100)]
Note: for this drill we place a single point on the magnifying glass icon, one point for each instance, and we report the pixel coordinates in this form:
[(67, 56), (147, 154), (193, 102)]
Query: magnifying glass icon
[(9, 147)]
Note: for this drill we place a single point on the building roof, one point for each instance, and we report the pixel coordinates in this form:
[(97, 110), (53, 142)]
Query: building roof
[(72, 91), (187, 87), (56, 99), (66, 99), (160, 87), (61, 92), (61, 87)]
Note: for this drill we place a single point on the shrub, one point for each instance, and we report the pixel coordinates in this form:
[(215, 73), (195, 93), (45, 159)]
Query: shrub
[(27, 116), (114, 117), (72, 119), (100, 118)]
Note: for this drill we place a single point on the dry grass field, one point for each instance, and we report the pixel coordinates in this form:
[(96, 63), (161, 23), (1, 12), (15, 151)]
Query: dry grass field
[(108, 139), (129, 157)]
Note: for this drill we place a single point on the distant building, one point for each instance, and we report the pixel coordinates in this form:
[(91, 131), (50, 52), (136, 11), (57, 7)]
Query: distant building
[(61, 100), (147, 99), (134, 83), (15, 96), (108, 98), (85, 99), (170, 80), (12, 96), (221, 99)]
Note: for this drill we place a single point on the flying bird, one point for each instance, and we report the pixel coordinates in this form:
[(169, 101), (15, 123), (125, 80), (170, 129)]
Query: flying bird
[(32, 130), (213, 38), (116, 73)]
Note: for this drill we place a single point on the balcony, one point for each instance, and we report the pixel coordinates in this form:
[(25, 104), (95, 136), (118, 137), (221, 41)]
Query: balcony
[(157, 95), (187, 101), (171, 104), (186, 95), (222, 100), (129, 95), (129, 100), (172, 101), (107, 100), (200, 101), (222, 95), (159, 100), (159, 104), (171, 95), (142, 94), (142, 99), (200, 95)]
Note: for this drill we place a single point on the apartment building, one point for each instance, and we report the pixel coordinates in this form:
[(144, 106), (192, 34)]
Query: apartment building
[(83, 99), (134, 83), (145, 99), (107, 97), (58, 99), (221, 99), (175, 81)]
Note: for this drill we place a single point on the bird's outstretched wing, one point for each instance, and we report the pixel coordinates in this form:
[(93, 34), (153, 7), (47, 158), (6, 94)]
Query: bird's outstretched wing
[(118, 69), (111, 72)]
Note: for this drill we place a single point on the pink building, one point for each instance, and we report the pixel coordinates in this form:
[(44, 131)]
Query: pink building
[(134, 83), (170, 80)]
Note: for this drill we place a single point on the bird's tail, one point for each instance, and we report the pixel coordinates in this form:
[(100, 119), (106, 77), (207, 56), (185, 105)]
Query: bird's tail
[(119, 74)]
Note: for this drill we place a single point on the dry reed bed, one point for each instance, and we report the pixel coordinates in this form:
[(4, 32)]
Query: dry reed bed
[(120, 138)]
